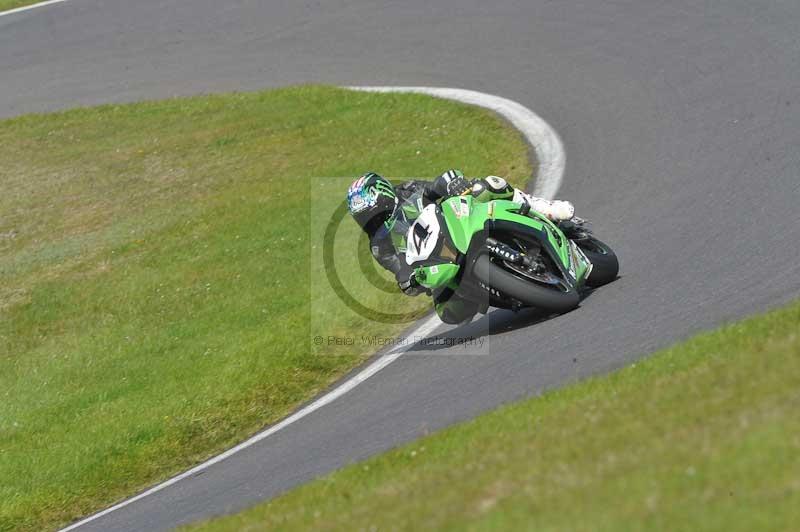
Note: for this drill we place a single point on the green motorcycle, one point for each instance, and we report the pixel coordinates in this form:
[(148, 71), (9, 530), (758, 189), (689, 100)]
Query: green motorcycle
[(504, 254)]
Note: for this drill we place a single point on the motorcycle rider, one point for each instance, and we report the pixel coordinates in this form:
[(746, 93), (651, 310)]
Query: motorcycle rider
[(377, 206)]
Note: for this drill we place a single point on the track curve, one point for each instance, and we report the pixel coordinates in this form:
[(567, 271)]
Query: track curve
[(681, 124)]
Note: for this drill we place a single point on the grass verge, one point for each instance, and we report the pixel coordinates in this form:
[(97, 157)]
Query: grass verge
[(701, 436), (154, 275), (6, 5)]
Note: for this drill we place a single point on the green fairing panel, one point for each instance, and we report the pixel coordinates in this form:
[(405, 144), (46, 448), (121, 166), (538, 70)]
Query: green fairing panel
[(436, 276), (580, 261), (571, 256), (465, 216), (557, 239)]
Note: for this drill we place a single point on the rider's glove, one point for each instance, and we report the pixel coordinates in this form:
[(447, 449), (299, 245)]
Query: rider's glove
[(410, 286), (458, 186)]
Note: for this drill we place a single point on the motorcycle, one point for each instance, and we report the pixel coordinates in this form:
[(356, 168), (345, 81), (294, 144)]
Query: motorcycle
[(504, 254)]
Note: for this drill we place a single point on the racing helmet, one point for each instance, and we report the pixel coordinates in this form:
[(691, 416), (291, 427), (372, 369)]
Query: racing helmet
[(371, 200)]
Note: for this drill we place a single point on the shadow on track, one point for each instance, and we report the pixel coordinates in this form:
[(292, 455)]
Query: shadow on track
[(496, 322)]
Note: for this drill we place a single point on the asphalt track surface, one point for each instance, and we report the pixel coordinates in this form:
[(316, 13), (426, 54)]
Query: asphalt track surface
[(681, 122)]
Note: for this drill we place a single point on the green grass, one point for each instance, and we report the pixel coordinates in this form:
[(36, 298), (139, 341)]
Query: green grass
[(155, 264), (5, 5), (701, 436)]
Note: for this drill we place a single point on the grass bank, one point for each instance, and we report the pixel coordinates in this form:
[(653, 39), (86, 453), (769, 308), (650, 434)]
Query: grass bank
[(6, 5), (154, 274), (702, 436)]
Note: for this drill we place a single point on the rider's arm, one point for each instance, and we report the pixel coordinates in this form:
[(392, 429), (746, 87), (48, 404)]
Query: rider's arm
[(382, 248), (453, 183), (384, 252), (450, 183)]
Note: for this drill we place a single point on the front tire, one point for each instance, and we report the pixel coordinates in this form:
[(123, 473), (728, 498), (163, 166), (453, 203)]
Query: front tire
[(525, 291), (605, 265)]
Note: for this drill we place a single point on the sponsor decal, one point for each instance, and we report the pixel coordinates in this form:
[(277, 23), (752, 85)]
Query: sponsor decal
[(573, 259), (460, 208), (456, 208), (464, 207), (489, 289)]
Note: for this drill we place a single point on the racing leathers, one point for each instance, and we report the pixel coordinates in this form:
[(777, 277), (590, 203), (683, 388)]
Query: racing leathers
[(417, 194)]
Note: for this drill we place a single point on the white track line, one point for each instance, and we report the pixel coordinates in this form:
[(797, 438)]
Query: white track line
[(423, 329), (546, 142), (32, 6), (550, 153)]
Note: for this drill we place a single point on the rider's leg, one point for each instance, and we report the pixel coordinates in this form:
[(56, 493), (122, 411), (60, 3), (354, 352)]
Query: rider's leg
[(556, 210)]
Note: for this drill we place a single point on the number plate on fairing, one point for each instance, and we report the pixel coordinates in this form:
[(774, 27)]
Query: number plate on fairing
[(422, 236)]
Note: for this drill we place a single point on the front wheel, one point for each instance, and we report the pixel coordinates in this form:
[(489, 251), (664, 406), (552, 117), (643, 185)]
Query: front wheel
[(605, 265), (561, 299)]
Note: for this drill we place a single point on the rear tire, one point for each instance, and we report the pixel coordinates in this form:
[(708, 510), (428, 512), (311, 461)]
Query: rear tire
[(524, 291), (605, 265)]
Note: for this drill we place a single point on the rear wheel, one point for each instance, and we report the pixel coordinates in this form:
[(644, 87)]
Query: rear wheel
[(605, 265), (557, 298)]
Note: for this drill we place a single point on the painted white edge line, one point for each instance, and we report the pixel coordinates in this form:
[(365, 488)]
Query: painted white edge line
[(424, 329), (32, 6), (545, 141), (550, 153)]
